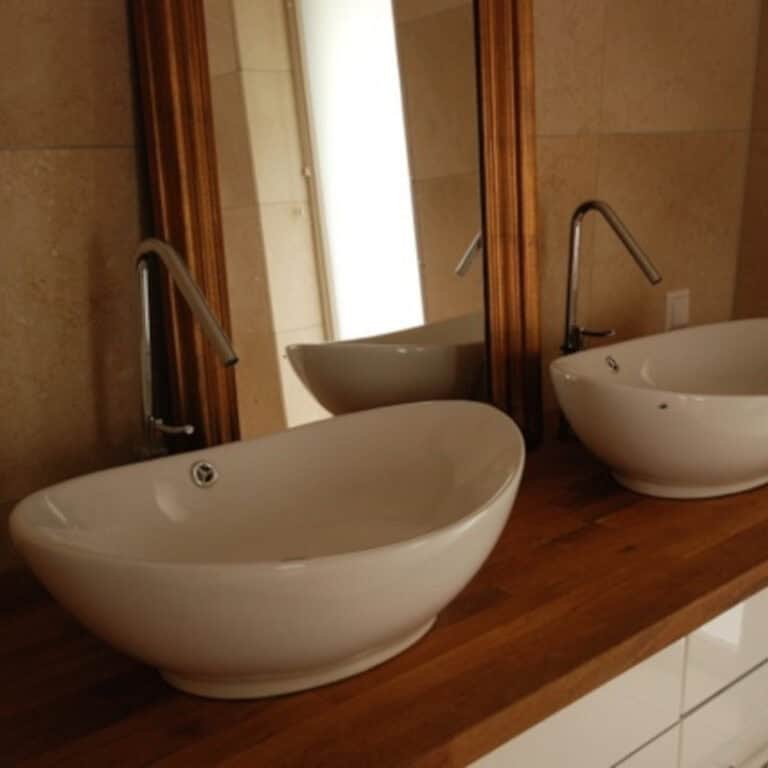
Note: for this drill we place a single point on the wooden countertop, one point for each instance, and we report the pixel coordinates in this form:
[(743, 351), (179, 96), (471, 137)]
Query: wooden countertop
[(587, 580)]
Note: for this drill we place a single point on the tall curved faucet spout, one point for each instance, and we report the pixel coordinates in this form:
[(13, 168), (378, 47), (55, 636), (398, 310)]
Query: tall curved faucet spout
[(191, 293), (199, 308), (574, 334)]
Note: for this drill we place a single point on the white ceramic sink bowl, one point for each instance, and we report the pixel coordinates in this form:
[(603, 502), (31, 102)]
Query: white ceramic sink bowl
[(318, 553), (685, 414), (437, 361)]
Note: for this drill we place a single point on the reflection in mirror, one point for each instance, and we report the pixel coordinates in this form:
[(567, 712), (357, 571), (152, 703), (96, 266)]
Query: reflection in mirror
[(347, 148)]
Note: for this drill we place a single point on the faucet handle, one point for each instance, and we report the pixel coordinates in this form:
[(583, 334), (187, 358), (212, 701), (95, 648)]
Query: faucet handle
[(597, 334)]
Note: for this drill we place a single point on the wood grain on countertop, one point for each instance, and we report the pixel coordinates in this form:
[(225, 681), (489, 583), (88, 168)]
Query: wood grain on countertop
[(587, 580)]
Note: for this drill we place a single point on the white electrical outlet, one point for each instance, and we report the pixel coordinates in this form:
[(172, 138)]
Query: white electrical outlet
[(678, 309)]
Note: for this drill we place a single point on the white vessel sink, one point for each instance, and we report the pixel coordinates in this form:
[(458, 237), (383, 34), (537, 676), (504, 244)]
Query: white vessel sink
[(316, 554), (437, 361), (682, 414)]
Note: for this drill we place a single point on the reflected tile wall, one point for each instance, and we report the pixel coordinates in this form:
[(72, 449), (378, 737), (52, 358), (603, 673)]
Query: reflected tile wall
[(447, 219), (257, 376), (269, 240), (646, 104), (70, 212), (437, 67)]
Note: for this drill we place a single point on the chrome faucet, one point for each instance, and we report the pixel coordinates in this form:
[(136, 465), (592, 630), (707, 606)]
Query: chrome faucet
[(199, 308), (574, 334), (465, 262)]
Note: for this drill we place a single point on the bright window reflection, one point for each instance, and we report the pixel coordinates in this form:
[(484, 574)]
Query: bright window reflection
[(361, 164)]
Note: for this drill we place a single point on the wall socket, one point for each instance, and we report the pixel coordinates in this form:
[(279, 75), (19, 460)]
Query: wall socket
[(678, 309)]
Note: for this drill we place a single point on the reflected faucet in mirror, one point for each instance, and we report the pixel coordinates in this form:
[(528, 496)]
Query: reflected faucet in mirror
[(197, 304), (574, 333), (465, 262)]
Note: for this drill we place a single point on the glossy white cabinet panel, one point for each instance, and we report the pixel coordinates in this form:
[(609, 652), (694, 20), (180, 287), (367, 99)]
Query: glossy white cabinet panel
[(660, 753), (730, 730), (600, 729), (726, 648)]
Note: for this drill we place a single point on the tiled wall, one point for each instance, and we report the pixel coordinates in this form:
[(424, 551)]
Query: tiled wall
[(645, 104), (752, 280), (270, 253), (437, 64), (70, 219)]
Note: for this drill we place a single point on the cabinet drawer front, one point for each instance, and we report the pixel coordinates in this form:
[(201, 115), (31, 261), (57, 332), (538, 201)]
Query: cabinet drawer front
[(604, 726), (730, 730), (726, 648), (660, 753)]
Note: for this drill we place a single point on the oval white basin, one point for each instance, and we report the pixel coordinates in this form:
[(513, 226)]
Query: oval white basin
[(318, 553), (437, 361), (682, 414)]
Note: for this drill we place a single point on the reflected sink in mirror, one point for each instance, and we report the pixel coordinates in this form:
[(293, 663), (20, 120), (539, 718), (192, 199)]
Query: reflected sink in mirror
[(359, 204), (682, 414), (264, 567), (436, 361)]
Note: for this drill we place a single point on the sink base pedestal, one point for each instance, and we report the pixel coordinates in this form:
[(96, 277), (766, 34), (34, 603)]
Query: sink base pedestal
[(273, 685), (686, 491)]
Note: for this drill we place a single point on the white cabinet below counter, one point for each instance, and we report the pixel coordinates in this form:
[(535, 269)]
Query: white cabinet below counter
[(726, 648), (702, 702), (662, 752), (605, 725), (731, 729)]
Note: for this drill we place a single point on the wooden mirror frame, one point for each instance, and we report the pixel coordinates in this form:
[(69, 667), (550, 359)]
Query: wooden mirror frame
[(176, 106)]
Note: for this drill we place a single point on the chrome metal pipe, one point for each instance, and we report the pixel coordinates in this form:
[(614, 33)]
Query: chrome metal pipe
[(199, 308), (573, 332), (192, 293)]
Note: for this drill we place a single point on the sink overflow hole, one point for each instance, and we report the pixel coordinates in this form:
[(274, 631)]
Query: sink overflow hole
[(204, 474)]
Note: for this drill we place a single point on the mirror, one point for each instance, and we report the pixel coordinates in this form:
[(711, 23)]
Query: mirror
[(177, 108), (348, 162)]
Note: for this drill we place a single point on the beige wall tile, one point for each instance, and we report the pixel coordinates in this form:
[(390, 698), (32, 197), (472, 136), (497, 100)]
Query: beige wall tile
[(220, 35), (437, 64), (262, 38), (237, 185), (259, 392), (751, 296), (447, 214), (760, 100), (69, 390), (274, 132), (681, 196), (65, 73), (293, 279), (408, 10), (300, 406), (569, 58), (686, 65), (567, 176)]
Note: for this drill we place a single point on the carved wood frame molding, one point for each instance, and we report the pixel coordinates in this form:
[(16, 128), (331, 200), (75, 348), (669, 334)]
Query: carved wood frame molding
[(184, 193), (176, 104), (508, 141)]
